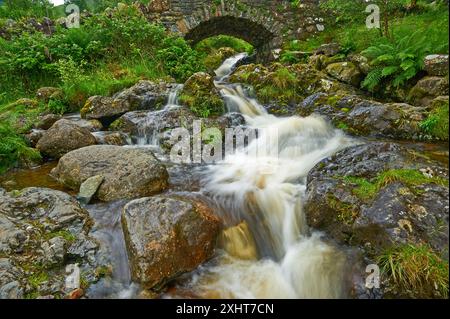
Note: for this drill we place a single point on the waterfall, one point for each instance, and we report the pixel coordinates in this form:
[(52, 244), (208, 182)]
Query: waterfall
[(269, 250)]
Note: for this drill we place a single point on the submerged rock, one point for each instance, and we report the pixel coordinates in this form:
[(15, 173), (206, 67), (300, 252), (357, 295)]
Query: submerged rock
[(38, 228), (167, 236), (64, 136), (128, 172)]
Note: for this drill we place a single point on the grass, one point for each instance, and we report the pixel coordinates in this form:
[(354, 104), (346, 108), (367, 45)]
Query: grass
[(68, 236), (367, 190), (436, 123), (416, 269), (37, 279)]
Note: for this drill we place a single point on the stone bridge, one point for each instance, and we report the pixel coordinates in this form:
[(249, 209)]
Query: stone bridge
[(265, 24)]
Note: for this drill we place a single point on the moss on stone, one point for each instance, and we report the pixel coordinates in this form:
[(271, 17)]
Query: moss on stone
[(367, 189)]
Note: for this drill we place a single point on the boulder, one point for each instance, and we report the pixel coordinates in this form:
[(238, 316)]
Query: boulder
[(360, 116), (145, 95), (427, 89), (167, 236), (436, 64), (346, 72), (45, 94), (201, 96), (379, 196), (64, 136), (38, 228), (328, 49), (128, 172), (112, 138), (46, 121)]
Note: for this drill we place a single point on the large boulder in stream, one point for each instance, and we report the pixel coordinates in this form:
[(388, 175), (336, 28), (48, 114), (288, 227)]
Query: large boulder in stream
[(128, 172), (167, 236), (64, 136), (380, 197), (41, 232), (145, 95), (363, 117)]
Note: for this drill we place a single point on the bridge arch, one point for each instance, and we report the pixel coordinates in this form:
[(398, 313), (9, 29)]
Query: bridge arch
[(263, 40), (263, 23)]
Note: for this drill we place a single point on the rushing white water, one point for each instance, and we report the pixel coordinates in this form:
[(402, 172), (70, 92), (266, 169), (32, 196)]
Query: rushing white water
[(264, 191)]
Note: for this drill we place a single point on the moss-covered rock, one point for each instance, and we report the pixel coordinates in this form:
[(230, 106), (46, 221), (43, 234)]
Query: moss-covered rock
[(427, 89), (217, 57), (378, 196), (201, 96), (346, 72)]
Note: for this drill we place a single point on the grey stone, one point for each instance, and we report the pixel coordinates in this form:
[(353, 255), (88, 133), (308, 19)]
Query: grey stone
[(89, 187)]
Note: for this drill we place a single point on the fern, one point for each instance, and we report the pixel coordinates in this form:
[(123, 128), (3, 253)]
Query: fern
[(397, 62)]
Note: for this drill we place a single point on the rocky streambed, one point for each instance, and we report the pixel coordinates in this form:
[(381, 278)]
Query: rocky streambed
[(113, 214)]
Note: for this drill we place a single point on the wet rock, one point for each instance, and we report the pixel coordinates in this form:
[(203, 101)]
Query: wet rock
[(128, 173), (112, 138), (145, 95), (428, 89), (46, 121), (89, 188), (376, 195), (159, 125), (436, 64), (360, 116), (33, 137), (37, 228), (167, 236), (346, 72), (91, 125), (63, 137), (46, 94)]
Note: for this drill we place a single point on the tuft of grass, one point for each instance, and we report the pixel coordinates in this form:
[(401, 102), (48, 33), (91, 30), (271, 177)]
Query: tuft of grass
[(416, 269), (436, 123), (367, 190), (37, 279), (68, 236)]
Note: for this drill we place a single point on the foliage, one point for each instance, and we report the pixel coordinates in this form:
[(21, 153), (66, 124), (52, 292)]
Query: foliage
[(13, 148), (436, 123), (208, 45), (416, 269), (368, 189), (397, 61)]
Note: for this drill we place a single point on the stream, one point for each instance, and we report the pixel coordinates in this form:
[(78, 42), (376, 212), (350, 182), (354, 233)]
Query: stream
[(267, 249)]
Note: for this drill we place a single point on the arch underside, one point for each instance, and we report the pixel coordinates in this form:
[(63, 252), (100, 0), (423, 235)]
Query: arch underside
[(245, 29)]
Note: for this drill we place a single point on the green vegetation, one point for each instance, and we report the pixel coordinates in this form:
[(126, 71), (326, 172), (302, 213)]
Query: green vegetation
[(436, 124), (395, 54), (68, 236), (368, 189), (416, 269), (347, 213)]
